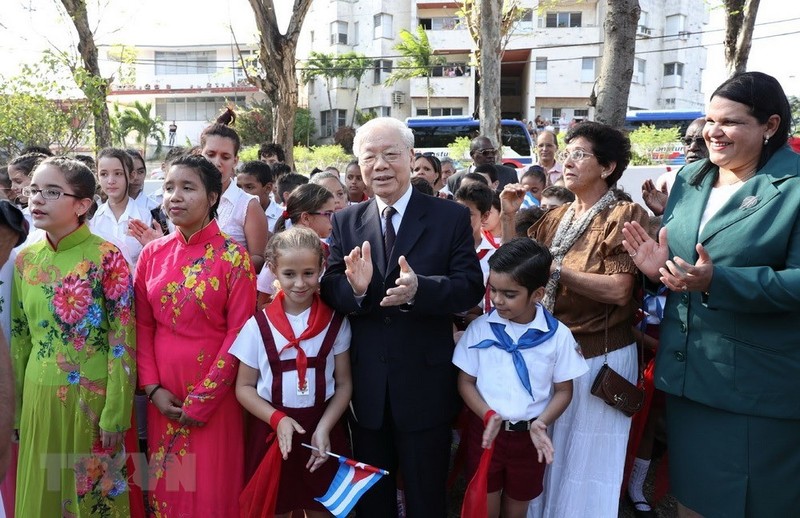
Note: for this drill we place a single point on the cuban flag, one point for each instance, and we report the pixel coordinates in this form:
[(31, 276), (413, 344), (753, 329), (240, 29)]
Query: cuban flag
[(352, 480), (529, 201)]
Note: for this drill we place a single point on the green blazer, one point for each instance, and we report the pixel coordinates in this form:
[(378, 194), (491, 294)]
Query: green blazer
[(737, 348)]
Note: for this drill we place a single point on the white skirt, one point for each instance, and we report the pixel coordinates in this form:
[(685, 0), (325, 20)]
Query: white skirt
[(590, 440)]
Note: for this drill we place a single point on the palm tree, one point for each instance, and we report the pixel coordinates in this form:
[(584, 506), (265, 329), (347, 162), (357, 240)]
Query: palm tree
[(419, 59), (139, 119), (322, 65), (354, 65)]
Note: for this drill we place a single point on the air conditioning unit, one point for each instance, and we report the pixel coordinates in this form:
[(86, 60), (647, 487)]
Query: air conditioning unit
[(684, 35), (641, 30), (398, 98)]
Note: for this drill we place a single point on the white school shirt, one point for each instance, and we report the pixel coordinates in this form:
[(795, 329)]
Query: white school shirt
[(145, 202), (105, 225), (553, 361), (232, 212), (249, 348), (489, 249), (273, 212)]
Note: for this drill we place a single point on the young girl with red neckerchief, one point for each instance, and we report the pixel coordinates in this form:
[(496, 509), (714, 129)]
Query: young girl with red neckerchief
[(295, 374)]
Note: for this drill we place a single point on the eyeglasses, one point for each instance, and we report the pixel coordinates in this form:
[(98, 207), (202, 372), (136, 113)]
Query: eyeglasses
[(47, 194), (390, 157), (489, 151), (688, 141), (327, 213), (576, 155)]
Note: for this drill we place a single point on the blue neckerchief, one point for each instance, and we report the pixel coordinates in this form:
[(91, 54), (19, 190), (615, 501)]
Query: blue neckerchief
[(531, 338)]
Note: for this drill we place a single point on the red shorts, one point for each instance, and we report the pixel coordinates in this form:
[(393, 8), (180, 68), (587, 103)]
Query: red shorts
[(515, 468)]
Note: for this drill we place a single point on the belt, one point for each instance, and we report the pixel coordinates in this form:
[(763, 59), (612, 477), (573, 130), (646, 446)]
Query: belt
[(518, 426)]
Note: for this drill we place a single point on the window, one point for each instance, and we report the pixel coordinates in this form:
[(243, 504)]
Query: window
[(383, 26), (338, 33), (381, 68), (562, 20), (380, 111), (587, 70), (194, 108), (675, 24), (355, 33), (440, 112), (440, 23), (673, 75), (330, 121), (580, 113), (541, 70), (176, 63), (638, 71)]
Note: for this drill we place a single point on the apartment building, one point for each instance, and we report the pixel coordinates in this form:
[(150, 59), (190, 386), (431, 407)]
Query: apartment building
[(549, 67), (189, 84)]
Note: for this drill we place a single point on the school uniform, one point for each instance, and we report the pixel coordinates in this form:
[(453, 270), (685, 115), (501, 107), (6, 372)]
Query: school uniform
[(260, 345), (273, 212), (115, 230), (485, 251), (514, 465)]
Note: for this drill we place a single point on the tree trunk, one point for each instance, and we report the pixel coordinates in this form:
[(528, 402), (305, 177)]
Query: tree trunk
[(355, 104), (739, 23), (491, 51), (616, 69), (93, 85), (277, 58)]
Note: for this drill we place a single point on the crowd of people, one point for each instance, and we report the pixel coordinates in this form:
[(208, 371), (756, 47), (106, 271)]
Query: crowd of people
[(175, 354)]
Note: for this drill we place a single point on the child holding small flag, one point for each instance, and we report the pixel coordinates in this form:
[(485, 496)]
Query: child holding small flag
[(517, 365), (295, 375)]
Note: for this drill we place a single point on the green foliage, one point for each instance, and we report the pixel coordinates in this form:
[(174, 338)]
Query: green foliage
[(794, 103), (125, 73), (418, 57), (307, 158), (648, 142), (37, 107), (249, 153), (138, 118), (254, 125), (459, 149), (304, 126)]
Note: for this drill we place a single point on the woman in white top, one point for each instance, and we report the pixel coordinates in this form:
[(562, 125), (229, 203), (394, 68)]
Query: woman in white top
[(239, 214), (113, 216)]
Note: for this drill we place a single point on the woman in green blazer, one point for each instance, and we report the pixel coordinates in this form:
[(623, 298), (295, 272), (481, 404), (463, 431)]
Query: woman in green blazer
[(729, 358)]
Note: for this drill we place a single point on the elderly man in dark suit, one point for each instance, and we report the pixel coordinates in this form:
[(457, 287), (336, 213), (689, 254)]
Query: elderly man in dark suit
[(482, 152), (400, 266)]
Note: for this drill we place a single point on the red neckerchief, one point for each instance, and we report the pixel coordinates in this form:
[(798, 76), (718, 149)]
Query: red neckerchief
[(482, 254), (490, 238), (318, 320), (326, 251)]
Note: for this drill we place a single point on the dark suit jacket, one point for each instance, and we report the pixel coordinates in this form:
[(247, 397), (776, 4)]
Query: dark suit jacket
[(505, 175), (737, 348), (406, 350)]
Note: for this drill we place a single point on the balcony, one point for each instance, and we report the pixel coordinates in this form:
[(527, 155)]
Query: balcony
[(459, 86)]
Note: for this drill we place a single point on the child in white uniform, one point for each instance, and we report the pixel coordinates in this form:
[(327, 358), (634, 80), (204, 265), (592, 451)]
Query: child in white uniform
[(295, 373), (517, 365)]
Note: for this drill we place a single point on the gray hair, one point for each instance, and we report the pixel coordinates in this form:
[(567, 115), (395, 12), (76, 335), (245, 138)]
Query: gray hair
[(363, 132), (447, 160), (325, 175)]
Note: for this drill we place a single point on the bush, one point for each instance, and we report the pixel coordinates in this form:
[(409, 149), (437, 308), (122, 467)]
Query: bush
[(647, 140), (307, 158)]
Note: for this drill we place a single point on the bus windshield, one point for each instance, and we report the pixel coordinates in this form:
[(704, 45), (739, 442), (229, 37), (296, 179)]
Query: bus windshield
[(661, 119), (434, 134)]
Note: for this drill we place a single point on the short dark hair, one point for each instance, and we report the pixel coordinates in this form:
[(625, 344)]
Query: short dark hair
[(608, 145), (88, 160), (5, 180), (279, 170), (43, 150), (489, 169), (271, 148), (314, 172), (535, 171), (259, 169), (209, 176), (221, 130), (289, 182), (471, 176), (525, 218), (525, 260), (421, 184), (496, 201), (559, 192), (134, 154), (172, 155), (477, 193)]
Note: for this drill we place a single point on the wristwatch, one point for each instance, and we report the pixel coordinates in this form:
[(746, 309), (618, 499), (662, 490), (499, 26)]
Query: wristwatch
[(556, 274)]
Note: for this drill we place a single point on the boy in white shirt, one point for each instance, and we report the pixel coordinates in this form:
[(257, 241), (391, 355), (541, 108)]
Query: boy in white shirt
[(517, 365)]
